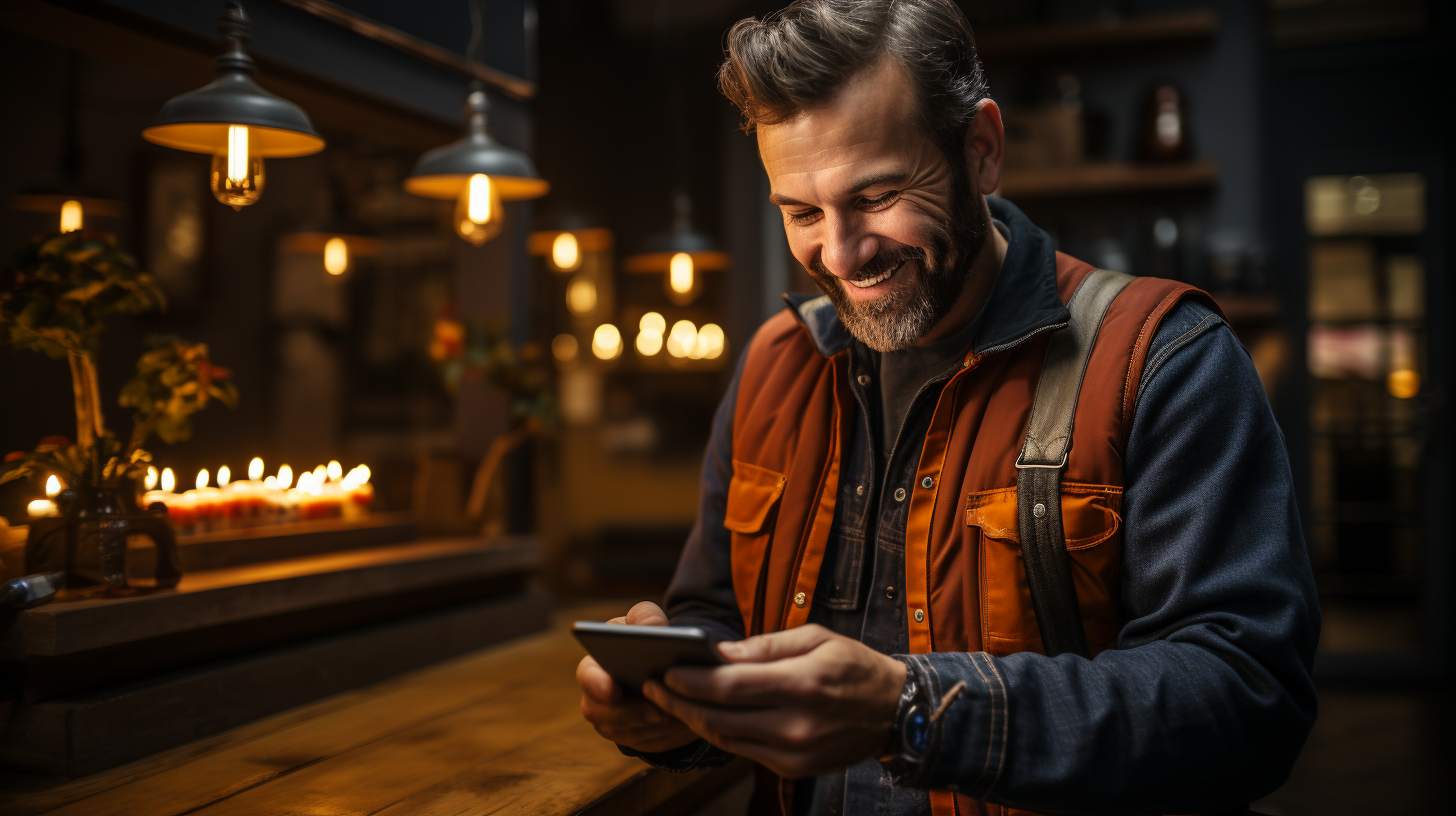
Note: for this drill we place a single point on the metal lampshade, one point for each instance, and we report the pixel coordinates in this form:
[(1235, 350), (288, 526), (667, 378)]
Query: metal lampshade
[(445, 171), (657, 251), (198, 121)]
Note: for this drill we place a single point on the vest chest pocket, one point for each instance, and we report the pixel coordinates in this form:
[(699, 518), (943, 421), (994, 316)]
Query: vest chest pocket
[(1093, 528), (753, 500)]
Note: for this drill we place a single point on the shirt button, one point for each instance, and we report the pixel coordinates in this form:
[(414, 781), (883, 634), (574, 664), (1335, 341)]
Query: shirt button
[(800, 599), (899, 494), (927, 482), (890, 593), (864, 379), (859, 491), (920, 616), (1039, 510)]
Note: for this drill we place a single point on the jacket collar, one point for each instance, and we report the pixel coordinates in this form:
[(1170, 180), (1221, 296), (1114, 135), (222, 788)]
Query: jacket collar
[(1023, 302)]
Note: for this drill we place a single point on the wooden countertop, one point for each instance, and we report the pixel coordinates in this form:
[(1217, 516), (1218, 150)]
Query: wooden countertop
[(498, 731)]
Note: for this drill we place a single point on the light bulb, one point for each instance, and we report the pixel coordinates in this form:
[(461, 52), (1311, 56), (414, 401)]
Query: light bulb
[(285, 477), (565, 252), (224, 475), (53, 486), (649, 342), (680, 273), (682, 339), (255, 468), (581, 295), (335, 470), (710, 342), (606, 342), (169, 480), (237, 173), (202, 478), (336, 256), (478, 211), (564, 347), (653, 322), (151, 480), (71, 216)]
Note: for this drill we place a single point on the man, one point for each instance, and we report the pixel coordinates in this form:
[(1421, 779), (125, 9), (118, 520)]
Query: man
[(857, 546)]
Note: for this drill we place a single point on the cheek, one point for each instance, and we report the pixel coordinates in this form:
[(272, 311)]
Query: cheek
[(905, 225)]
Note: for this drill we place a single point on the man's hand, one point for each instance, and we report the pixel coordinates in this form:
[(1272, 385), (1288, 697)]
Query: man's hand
[(630, 721), (801, 702)]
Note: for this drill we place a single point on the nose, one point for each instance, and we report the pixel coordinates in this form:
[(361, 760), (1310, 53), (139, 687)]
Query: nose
[(846, 248)]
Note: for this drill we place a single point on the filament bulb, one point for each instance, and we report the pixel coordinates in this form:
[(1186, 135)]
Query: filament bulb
[(237, 173), (71, 216), (680, 273), (478, 211), (565, 252), (336, 256)]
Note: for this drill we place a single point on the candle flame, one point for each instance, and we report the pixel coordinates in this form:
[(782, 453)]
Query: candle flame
[(285, 477), (336, 470), (169, 480), (202, 478), (151, 480), (53, 486), (224, 475), (255, 469), (320, 473), (357, 477), (270, 483)]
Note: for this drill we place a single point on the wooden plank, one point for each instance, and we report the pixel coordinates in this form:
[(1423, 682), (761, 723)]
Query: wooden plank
[(188, 778), (241, 593), (231, 548), (84, 734), (1042, 40), (1107, 179)]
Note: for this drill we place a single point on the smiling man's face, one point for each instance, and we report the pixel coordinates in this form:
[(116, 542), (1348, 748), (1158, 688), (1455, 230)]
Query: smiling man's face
[(872, 208)]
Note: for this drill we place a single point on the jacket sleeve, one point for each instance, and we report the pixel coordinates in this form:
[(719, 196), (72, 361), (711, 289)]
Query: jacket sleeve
[(701, 592), (1207, 699)]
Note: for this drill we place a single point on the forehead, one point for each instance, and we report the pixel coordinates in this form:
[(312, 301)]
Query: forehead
[(868, 127)]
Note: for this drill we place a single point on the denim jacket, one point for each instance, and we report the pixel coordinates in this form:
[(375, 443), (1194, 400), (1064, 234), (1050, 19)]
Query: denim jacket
[(1207, 699)]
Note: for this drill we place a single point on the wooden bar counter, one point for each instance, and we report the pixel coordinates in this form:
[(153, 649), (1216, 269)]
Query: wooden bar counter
[(497, 731)]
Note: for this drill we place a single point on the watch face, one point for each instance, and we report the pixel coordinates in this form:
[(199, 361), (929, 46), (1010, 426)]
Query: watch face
[(916, 730)]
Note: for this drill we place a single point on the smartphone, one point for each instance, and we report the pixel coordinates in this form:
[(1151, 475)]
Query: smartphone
[(634, 654)]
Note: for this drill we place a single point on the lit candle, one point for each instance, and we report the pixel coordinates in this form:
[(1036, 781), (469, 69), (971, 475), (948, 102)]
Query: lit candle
[(255, 469), (335, 470), (53, 486), (224, 475), (42, 508), (169, 480), (285, 477), (151, 480)]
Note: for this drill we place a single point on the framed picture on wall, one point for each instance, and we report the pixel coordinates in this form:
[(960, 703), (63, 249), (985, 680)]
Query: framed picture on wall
[(175, 239)]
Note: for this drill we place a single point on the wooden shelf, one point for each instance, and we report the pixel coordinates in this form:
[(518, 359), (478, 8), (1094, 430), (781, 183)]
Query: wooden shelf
[(1107, 179), (1044, 40)]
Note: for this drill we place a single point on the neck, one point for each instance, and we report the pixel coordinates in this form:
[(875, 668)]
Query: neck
[(981, 278)]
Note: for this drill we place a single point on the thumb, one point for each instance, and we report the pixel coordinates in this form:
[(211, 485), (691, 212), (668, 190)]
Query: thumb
[(646, 613), (775, 646)]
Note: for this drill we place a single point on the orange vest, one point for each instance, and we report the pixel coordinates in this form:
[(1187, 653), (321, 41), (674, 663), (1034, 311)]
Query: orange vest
[(965, 585)]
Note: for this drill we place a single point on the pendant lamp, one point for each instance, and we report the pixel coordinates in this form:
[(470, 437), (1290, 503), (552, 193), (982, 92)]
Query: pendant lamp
[(565, 241), (477, 171), (337, 239), (72, 199), (235, 120), (683, 254)]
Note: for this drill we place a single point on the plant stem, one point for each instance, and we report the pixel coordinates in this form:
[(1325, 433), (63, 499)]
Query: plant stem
[(81, 388)]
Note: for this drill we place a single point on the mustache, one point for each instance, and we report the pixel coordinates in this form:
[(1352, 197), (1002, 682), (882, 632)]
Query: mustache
[(884, 261)]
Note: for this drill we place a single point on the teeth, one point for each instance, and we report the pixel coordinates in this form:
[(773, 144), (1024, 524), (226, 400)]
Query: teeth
[(868, 282)]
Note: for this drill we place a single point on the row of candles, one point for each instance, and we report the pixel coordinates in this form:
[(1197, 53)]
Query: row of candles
[(324, 492)]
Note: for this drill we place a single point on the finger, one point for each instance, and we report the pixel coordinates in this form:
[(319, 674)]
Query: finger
[(647, 613), (775, 646), (743, 685), (595, 681), (770, 725), (644, 726)]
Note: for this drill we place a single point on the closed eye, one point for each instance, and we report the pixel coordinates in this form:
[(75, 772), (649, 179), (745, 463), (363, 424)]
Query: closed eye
[(879, 202), (801, 216)]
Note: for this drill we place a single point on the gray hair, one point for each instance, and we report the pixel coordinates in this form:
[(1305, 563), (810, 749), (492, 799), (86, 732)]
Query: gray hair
[(799, 57)]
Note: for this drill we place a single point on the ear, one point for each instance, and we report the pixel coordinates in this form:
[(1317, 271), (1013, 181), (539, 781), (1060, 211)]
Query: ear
[(985, 147)]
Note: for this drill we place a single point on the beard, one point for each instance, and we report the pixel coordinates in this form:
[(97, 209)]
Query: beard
[(902, 316)]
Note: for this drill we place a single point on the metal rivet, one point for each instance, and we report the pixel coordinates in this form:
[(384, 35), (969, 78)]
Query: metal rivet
[(920, 616), (800, 599), (864, 379), (1039, 510), (899, 494), (927, 482), (859, 491), (890, 593)]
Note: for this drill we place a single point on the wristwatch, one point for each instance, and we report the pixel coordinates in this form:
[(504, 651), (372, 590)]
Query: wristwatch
[(909, 741)]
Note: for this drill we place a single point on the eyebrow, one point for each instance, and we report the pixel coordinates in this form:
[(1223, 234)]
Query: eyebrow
[(780, 200)]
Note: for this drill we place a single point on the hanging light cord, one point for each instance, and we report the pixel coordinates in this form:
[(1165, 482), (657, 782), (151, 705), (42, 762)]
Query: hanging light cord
[(475, 26)]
